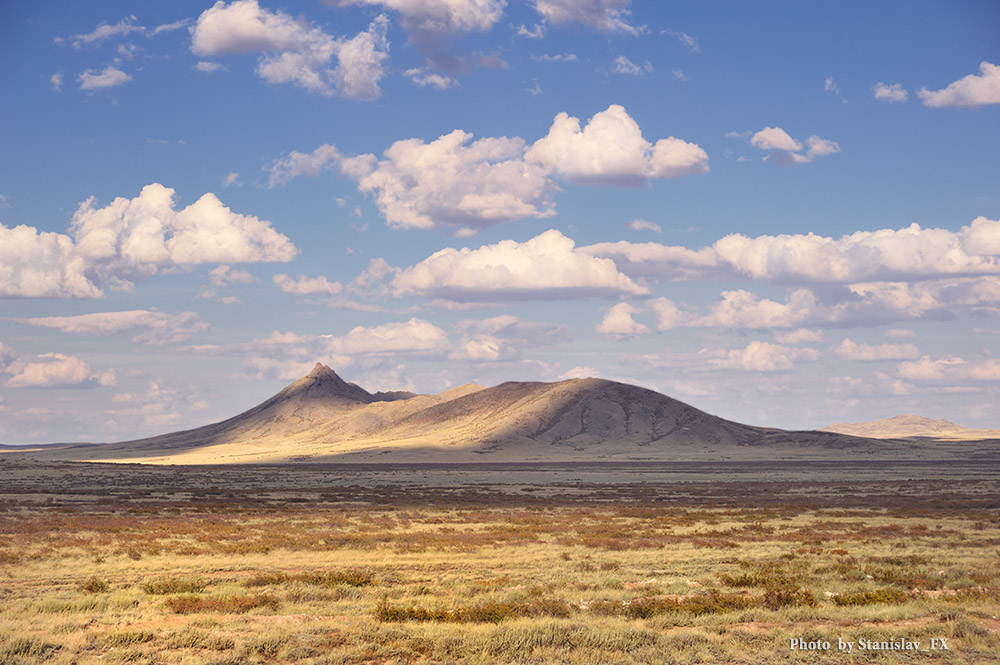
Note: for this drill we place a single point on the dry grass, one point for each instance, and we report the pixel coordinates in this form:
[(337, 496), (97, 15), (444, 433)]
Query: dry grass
[(447, 575)]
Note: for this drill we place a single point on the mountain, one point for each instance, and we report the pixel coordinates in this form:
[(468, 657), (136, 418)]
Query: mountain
[(912, 427), (322, 418)]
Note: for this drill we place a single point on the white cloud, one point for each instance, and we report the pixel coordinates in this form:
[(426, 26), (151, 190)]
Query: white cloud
[(894, 92), (440, 16), (625, 66), (758, 356), (950, 368), (689, 42), (535, 33), (432, 24), (456, 181), (910, 253), (56, 81), (798, 336), (294, 50), (504, 338), (415, 336), (308, 286), (131, 239), (547, 267), (644, 225), (789, 151), (207, 66), (360, 62), (973, 90), (157, 327), (829, 85), (425, 78), (850, 350), (557, 57), (106, 31), (460, 182), (605, 15), (55, 370), (109, 77), (775, 138), (618, 322), (232, 180), (611, 149), (668, 315), (298, 164), (225, 276)]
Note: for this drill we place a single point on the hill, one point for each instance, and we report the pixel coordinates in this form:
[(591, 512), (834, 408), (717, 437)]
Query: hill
[(322, 418), (912, 427)]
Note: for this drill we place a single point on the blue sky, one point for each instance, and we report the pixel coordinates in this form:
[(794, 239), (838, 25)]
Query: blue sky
[(783, 213)]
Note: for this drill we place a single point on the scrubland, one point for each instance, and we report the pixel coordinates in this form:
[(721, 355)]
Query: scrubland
[(120, 566)]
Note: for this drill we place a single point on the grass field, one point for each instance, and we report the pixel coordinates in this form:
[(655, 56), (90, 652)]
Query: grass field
[(103, 564)]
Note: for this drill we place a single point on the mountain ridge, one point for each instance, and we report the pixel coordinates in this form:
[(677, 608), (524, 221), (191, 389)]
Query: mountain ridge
[(322, 418)]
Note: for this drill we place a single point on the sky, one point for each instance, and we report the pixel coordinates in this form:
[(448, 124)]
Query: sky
[(782, 213)]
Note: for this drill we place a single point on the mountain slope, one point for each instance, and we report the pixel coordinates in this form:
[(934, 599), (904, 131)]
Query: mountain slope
[(322, 418)]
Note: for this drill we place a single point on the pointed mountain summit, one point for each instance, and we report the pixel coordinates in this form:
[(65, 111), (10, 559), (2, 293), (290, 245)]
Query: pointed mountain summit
[(322, 418), (322, 385)]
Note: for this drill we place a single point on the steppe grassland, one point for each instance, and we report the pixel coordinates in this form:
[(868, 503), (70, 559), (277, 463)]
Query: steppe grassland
[(432, 577)]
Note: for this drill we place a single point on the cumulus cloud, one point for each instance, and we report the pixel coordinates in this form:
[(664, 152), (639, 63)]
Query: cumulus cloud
[(604, 15), (153, 327), (971, 91), (109, 77), (439, 16), (547, 267), (131, 239), (910, 253), (850, 350), (432, 25), (455, 181), (294, 50), (890, 92), (308, 286), (56, 370), (789, 151), (618, 322), (415, 336), (759, 356), (611, 149), (56, 81), (668, 315), (207, 66)]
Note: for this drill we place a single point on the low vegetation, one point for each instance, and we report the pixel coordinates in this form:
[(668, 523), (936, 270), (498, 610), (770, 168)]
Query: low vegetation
[(167, 576)]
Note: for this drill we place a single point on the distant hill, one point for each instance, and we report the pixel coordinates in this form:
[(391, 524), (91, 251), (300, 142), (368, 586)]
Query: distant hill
[(322, 418), (912, 427)]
